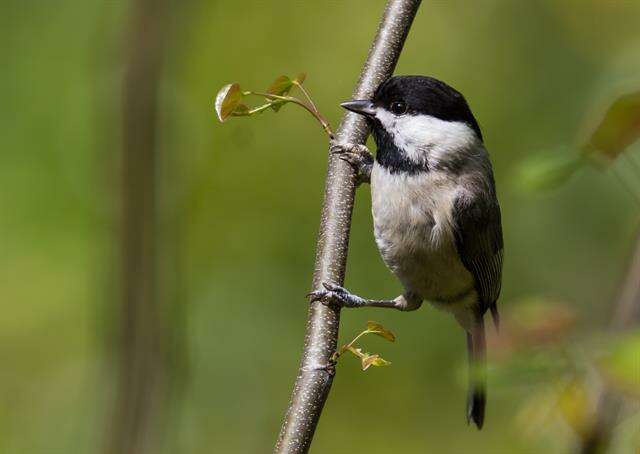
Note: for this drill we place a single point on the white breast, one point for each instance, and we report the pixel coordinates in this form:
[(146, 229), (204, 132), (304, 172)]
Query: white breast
[(413, 230)]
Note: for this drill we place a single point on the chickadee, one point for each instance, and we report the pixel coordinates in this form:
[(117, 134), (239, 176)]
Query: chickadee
[(435, 212)]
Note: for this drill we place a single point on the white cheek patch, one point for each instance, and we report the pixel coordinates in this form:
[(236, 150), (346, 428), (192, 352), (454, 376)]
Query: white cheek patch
[(423, 137)]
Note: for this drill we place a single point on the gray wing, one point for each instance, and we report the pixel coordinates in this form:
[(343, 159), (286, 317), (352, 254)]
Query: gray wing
[(478, 235)]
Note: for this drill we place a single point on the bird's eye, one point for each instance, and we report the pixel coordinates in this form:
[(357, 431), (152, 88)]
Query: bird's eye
[(398, 107)]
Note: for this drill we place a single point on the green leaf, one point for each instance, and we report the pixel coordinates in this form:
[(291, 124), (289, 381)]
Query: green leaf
[(228, 100), (377, 328), (281, 86), (374, 360), (619, 128), (548, 171)]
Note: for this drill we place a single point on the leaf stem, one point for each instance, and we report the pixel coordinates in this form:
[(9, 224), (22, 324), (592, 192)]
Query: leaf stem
[(350, 344), (306, 95), (260, 108), (346, 347), (323, 122)]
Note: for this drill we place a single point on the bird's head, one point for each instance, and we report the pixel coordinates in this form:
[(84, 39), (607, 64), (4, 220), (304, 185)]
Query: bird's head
[(418, 119)]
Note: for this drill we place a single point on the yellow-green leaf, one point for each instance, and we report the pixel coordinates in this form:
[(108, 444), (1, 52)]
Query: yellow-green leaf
[(227, 100), (380, 362), (374, 360), (280, 86), (300, 78), (573, 403), (619, 128), (377, 328)]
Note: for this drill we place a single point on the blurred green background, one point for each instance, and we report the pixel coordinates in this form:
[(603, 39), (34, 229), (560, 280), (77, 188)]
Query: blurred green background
[(237, 213)]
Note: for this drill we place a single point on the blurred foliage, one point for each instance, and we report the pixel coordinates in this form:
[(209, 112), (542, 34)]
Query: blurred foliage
[(620, 365), (547, 171), (618, 129), (567, 368), (240, 206)]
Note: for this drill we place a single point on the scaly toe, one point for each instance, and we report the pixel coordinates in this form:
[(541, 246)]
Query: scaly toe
[(326, 297), (336, 148), (351, 158), (334, 288), (317, 295)]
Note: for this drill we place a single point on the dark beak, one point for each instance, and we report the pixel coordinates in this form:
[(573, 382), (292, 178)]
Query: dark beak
[(360, 106)]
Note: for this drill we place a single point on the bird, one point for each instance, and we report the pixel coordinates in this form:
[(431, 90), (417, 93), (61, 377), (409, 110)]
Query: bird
[(436, 217)]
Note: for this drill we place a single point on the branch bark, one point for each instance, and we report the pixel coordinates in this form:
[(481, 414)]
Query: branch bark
[(315, 374)]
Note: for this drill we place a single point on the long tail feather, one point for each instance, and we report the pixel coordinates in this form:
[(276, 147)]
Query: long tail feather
[(495, 315), (477, 394)]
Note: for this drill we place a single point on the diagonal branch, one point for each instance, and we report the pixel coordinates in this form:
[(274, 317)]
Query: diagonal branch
[(315, 375)]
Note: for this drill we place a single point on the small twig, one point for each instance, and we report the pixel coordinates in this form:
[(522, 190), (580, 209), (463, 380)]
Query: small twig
[(323, 122), (306, 94), (346, 347), (259, 109)]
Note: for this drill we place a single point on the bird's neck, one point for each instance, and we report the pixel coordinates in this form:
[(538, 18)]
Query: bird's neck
[(415, 144), (393, 158)]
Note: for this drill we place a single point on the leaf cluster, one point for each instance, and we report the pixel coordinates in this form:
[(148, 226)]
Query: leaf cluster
[(231, 100), (368, 359)]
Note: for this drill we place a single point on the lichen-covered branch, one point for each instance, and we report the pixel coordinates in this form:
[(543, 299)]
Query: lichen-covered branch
[(315, 375)]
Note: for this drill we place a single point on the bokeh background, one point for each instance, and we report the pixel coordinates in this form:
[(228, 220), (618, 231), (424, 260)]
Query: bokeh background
[(154, 262)]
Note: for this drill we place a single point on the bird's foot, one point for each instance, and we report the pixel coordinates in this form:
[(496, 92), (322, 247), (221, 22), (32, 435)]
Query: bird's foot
[(334, 295), (358, 156)]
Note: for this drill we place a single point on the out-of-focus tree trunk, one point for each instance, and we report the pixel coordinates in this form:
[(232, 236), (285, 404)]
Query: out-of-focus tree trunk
[(626, 315), (136, 416)]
